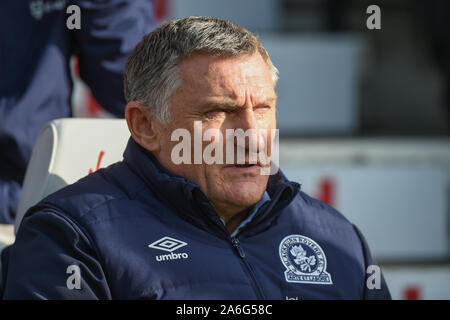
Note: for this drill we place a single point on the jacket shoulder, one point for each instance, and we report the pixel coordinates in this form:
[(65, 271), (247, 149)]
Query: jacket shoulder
[(320, 214), (92, 193)]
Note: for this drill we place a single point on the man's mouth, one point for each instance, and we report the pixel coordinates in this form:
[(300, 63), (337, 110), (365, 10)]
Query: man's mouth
[(244, 165), (246, 169)]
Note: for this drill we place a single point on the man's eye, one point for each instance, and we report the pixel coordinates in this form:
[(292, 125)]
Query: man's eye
[(262, 108), (215, 111)]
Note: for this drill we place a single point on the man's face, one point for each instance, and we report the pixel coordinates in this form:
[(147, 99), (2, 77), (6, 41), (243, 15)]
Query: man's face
[(222, 93)]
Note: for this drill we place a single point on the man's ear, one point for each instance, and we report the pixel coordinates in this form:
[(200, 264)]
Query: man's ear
[(141, 124)]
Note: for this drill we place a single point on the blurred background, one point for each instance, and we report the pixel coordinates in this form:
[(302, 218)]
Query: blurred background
[(363, 117)]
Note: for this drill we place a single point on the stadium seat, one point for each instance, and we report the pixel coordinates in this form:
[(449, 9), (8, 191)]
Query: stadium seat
[(67, 150)]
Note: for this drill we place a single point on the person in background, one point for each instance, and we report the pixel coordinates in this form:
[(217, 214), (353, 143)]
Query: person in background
[(35, 78)]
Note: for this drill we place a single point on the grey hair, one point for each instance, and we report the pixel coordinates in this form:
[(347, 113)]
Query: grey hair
[(151, 72)]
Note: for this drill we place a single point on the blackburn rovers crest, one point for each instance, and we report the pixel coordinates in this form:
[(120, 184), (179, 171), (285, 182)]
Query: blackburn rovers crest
[(304, 260)]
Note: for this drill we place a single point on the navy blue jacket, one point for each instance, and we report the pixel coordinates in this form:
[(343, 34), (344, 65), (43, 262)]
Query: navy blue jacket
[(35, 79), (137, 231)]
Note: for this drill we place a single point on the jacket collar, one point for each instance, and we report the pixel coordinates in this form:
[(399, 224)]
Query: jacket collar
[(186, 197)]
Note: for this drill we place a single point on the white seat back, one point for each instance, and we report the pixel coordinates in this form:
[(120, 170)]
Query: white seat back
[(67, 150)]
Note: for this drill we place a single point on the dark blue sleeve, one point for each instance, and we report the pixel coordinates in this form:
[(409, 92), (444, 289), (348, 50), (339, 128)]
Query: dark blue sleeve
[(109, 31), (381, 293), (9, 199), (46, 245)]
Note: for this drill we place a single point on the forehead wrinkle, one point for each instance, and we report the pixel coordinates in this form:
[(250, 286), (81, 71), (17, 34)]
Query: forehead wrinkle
[(238, 84), (243, 93), (235, 78)]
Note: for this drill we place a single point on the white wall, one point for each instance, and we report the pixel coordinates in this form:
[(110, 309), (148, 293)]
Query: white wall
[(426, 282)]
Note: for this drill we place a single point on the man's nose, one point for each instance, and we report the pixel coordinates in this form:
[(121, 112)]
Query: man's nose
[(247, 119), (247, 122)]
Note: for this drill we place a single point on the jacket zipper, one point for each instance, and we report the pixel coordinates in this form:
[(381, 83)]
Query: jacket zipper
[(235, 242), (240, 251)]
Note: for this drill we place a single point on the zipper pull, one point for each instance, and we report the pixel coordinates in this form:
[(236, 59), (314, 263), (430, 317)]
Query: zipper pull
[(238, 248)]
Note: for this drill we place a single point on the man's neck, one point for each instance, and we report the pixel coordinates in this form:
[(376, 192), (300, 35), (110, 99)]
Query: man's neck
[(232, 217), (236, 220)]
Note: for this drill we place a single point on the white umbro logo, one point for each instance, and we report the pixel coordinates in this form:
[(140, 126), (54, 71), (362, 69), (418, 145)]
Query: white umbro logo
[(169, 244)]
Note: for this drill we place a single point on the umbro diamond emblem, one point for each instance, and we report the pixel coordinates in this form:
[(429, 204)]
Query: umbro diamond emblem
[(169, 244)]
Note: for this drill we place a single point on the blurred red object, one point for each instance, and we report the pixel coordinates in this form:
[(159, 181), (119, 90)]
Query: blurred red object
[(327, 190), (100, 156), (411, 293), (159, 9)]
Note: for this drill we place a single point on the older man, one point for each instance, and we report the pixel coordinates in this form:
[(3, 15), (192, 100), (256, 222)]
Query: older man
[(154, 227)]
